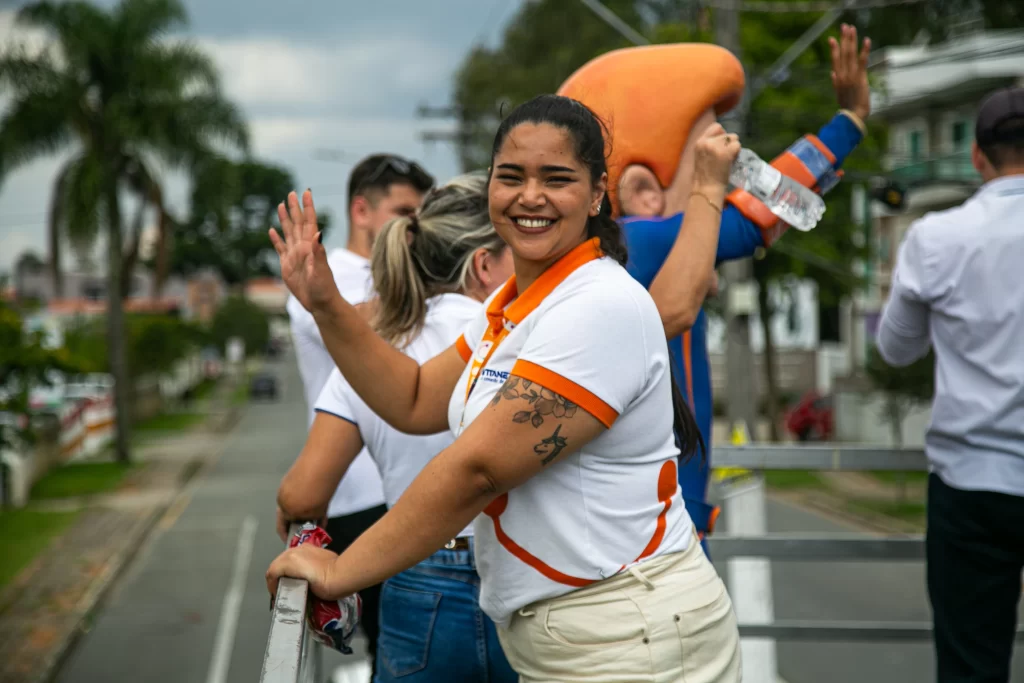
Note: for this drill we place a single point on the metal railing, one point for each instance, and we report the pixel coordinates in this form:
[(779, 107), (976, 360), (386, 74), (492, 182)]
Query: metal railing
[(292, 655), (827, 547)]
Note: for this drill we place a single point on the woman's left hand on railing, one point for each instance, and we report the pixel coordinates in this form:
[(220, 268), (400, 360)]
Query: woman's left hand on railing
[(306, 562)]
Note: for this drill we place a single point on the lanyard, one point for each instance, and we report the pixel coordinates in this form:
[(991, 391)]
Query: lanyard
[(478, 365)]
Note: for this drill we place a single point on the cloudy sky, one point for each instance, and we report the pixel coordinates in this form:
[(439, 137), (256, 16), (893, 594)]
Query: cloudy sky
[(335, 75)]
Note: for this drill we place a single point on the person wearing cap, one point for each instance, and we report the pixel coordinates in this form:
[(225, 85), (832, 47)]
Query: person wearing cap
[(657, 100), (957, 288)]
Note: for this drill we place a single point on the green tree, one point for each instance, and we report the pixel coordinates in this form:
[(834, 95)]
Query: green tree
[(121, 98), (903, 390), (155, 343), (233, 205), (238, 317), (534, 57)]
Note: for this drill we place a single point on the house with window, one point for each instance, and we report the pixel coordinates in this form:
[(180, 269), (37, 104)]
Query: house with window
[(929, 95)]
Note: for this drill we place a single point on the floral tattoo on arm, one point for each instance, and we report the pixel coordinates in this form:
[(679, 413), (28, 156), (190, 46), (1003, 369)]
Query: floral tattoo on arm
[(542, 403)]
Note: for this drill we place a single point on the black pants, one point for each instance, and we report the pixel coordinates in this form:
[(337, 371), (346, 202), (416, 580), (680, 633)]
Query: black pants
[(975, 552), (343, 530)]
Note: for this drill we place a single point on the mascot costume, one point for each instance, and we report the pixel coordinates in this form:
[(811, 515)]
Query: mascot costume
[(655, 101)]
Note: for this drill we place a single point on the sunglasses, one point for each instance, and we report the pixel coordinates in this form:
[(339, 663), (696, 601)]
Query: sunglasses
[(397, 164)]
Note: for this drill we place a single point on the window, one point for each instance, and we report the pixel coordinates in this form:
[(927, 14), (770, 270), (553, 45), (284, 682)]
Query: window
[(915, 145), (959, 135)]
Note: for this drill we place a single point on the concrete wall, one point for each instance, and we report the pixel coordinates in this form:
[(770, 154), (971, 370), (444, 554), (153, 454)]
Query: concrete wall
[(860, 417)]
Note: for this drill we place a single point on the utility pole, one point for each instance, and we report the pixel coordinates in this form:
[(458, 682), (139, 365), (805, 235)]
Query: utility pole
[(740, 289), (743, 496)]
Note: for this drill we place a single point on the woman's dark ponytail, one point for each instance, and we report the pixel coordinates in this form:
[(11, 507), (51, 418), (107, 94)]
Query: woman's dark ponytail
[(688, 436)]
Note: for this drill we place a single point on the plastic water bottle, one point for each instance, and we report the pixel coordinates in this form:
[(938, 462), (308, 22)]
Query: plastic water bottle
[(795, 204)]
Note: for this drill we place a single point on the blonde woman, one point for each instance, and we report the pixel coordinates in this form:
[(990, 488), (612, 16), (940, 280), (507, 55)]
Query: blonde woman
[(431, 272)]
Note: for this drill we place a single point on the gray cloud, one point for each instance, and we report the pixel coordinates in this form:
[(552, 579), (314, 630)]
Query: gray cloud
[(339, 75)]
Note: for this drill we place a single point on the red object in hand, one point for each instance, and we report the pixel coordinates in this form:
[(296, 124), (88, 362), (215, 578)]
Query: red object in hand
[(333, 621)]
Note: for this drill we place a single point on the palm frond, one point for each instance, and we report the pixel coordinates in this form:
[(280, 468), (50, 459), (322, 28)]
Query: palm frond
[(82, 196), (77, 26), (185, 131), (143, 20), (35, 124), (172, 70), (56, 223), (23, 73)]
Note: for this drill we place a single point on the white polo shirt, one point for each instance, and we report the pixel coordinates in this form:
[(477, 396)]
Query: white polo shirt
[(588, 331), (361, 487), (958, 287), (401, 457)]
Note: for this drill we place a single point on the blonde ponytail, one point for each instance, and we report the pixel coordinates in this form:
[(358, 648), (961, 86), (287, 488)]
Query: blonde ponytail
[(419, 257), (402, 294)]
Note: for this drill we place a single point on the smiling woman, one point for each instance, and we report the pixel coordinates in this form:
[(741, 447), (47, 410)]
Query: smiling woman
[(559, 397)]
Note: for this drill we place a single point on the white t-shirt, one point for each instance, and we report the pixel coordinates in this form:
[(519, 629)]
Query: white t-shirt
[(361, 488), (589, 332), (401, 457)]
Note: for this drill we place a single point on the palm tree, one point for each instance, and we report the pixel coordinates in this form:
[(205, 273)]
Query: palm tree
[(123, 98)]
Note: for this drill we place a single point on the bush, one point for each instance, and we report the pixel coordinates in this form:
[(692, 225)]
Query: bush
[(155, 343), (239, 317)]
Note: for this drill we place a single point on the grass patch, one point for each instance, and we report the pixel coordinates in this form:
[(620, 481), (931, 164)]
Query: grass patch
[(893, 478), (24, 534), (204, 389), (792, 479), (80, 479), (168, 422), (240, 396), (909, 511)]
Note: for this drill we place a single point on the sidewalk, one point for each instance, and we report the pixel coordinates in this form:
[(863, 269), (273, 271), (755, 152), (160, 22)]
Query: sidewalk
[(45, 608)]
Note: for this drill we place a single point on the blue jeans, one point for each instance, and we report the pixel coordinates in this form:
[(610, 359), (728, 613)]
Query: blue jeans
[(432, 628)]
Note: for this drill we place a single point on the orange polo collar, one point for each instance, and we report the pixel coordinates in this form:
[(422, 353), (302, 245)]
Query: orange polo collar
[(509, 305)]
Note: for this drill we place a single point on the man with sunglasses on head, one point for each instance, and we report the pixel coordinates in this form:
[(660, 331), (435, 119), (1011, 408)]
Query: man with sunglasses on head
[(380, 188)]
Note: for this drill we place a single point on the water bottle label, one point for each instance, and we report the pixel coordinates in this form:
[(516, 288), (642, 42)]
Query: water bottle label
[(766, 180), (811, 157)]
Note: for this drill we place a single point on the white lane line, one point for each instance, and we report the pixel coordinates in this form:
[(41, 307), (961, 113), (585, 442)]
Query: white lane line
[(225, 641)]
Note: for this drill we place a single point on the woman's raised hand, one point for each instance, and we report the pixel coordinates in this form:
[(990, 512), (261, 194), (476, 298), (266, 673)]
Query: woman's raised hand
[(304, 267), (716, 151)]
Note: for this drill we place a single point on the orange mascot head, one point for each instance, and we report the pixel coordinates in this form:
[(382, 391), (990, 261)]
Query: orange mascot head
[(650, 98)]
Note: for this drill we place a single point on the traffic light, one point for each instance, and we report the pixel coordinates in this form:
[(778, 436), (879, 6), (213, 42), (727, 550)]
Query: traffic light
[(891, 194)]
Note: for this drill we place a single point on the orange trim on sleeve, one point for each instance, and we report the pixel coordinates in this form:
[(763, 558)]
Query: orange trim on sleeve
[(464, 349), (494, 511), (568, 389)]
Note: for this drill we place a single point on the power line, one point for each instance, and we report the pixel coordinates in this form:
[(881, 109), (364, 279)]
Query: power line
[(609, 17), (764, 6)]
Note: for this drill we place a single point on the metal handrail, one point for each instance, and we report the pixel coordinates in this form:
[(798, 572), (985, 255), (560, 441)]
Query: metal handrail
[(292, 655), (825, 547)]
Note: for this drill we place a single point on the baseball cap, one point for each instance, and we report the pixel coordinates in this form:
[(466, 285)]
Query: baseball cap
[(999, 109)]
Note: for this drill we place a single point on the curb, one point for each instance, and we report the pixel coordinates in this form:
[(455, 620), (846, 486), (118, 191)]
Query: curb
[(841, 515), (88, 606)]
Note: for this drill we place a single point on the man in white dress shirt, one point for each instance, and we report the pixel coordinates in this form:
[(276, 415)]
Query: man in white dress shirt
[(959, 287), (381, 187)]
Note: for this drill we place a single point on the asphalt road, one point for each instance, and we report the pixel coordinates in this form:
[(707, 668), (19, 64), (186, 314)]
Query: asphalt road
[(193, 604), (855, 591)]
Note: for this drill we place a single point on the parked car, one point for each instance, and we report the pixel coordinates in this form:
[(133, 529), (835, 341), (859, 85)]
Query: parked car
[(811, 419), (263, 385)]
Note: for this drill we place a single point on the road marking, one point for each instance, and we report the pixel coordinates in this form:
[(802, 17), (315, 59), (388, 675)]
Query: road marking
[(225, 641)]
